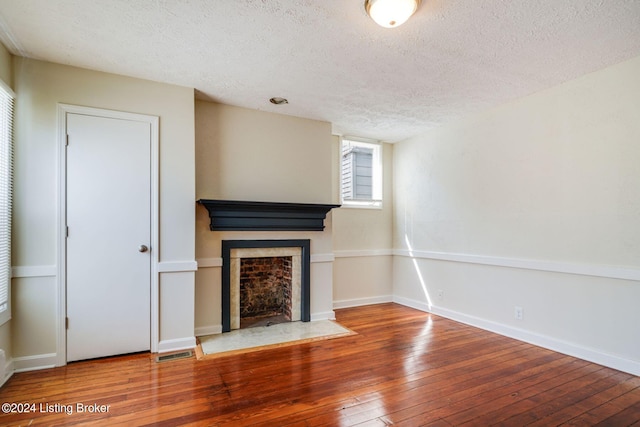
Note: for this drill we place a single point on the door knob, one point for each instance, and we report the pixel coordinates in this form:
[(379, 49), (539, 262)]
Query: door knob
[(143, 248)]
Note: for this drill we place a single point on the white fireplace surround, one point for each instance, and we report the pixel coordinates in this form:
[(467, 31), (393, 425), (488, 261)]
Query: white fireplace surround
[(237, 254)]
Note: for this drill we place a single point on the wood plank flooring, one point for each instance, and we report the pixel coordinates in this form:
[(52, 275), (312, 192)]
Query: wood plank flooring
[(404, 367)]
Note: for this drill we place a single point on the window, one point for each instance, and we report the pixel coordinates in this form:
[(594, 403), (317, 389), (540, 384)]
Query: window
[(361, 174), (6, 191)]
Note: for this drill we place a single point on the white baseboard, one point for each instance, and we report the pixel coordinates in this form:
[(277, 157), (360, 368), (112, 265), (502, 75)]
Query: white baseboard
[(8, 372), (208, 330), (418, 305), (176, 344), (357, 302), (564, 347), (326, 315), (35, 362)]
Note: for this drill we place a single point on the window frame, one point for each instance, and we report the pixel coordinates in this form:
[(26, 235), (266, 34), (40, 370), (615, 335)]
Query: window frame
[(376, 201), (6, 131)]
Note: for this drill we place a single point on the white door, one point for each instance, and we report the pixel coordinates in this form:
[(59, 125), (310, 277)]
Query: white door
[(109, 230)]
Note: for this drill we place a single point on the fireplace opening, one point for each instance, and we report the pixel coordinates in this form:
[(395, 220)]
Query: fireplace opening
[(265, 290)]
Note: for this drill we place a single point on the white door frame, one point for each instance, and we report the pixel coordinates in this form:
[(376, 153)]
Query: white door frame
[(63, 110)]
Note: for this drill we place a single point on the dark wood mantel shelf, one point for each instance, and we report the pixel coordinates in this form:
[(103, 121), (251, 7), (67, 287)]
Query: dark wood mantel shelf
[(235, 215)]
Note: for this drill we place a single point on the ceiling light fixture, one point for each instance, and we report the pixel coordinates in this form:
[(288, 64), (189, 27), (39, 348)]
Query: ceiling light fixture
[(278, 101), (391, 13)]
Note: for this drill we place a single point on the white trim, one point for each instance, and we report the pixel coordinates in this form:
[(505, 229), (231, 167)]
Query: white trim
[(166, 346), (325, 315), (357, 302), (61, 330), (63, 110), (9, 369), (564, 347), (363, 253), (611, 272), (360, 139), (209, 262), (34, 271), (361, 204), (418, 305), (35, 362), (318, 258), (201, 331), (177, 266)]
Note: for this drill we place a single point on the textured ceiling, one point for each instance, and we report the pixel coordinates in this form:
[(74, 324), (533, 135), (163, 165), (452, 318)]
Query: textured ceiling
[(333, 63)]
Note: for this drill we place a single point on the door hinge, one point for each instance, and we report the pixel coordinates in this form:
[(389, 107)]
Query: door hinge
[(66, 323), (67, 143), (67, 231)]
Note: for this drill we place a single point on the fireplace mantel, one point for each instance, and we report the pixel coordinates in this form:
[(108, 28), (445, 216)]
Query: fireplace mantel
[(235, 215)]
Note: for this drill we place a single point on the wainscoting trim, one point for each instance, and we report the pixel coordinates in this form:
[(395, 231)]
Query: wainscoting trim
[(318, 258), (610, 272), (363, 253), (34, 271), (177, 266)]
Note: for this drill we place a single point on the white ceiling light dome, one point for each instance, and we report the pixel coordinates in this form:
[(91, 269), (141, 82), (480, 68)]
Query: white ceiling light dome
[(391, 13)]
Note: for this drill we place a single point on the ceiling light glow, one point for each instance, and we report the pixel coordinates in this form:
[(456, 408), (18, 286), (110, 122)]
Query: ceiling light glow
[(391, 13)]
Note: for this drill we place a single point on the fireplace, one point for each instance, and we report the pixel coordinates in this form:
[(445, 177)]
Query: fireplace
[(264, 281)]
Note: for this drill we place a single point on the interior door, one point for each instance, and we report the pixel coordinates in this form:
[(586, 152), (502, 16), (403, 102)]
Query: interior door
[(108, 258)]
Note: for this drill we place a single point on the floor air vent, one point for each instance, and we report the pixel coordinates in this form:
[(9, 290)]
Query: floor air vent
[(174, 356)]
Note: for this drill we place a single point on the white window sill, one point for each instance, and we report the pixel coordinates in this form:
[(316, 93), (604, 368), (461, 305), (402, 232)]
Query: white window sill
[(362, 205)]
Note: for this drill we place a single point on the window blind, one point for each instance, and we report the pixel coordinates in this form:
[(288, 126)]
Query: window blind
[(6, 193)]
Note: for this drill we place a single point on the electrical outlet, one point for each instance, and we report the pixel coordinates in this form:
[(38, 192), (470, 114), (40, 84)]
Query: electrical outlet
[(440, 294), (519, 313)]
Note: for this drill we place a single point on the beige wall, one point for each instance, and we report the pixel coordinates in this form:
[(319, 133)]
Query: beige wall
[(40, 86), (533, 204), (6, 73), (244, 154), (5, 329), (252, 155), (362, 243)]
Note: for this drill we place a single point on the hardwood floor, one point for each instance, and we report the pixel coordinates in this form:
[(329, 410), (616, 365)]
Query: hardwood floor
[(404, 367)]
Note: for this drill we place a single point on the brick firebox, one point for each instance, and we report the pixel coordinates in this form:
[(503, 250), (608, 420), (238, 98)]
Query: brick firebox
[(265, 290)]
